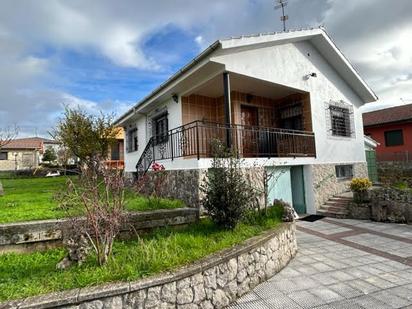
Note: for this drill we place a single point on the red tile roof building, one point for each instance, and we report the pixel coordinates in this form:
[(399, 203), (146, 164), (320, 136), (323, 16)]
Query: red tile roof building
[(392, 128)]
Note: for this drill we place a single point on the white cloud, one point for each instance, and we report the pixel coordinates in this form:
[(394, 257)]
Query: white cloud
[(373, 36)]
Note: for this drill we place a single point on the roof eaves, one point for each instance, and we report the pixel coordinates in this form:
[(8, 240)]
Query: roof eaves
[(175, 76)]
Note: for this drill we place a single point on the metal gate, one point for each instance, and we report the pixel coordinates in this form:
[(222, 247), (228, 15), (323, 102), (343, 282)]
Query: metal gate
[(372, 169)]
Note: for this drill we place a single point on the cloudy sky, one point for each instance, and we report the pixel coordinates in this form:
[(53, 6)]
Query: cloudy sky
[(105, 55)]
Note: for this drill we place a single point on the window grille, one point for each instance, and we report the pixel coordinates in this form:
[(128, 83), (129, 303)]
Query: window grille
[(3, 155), (340, 119)]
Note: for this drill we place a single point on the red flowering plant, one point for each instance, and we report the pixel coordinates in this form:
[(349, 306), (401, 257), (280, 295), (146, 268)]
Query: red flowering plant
[(152, 185), (156, 167)]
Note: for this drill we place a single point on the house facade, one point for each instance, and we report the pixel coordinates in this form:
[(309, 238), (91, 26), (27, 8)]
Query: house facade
[(287, 103), (116, 151), (24, 153), (392, 129)]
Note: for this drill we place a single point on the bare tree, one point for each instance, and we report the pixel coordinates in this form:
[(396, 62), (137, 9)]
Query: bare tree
[(7, 135)]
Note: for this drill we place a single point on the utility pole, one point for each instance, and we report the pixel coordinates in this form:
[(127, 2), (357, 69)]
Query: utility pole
[(281, 5)]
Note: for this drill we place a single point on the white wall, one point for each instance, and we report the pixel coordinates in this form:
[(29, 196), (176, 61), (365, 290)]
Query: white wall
[(144, 133), (287, 65)]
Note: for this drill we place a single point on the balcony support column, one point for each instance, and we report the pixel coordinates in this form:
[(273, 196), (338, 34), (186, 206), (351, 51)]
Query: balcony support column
[(227, 108)]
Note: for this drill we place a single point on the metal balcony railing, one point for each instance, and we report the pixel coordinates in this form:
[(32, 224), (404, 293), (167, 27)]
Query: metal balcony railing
[(193, 140)]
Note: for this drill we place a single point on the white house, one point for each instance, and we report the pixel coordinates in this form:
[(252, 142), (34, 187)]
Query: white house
[(286, 102)]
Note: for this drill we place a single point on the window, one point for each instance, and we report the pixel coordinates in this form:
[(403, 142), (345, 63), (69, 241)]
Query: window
[(3, 155), (393, 138), (344, 171), (132, 142), (291, 117), (340, 121), (160, 129)]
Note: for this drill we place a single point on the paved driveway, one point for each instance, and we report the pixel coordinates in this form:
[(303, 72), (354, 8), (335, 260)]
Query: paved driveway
[(342, 264)]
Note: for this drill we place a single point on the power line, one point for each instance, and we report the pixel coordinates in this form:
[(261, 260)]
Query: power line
[(281, 5)]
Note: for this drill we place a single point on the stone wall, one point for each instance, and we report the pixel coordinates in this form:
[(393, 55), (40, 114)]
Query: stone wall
[(185, 185), (213, 282), (327, 185), (44, 234), (385, 205), (390, 172)]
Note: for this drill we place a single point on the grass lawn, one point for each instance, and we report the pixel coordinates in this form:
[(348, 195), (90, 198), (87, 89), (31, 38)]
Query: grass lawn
[(165, 249), (28, 199)]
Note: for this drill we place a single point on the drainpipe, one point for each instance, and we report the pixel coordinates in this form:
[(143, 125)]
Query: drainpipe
[(227, 108)]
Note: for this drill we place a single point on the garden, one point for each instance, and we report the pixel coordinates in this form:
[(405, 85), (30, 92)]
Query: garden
[(36, 198), (92, 251)]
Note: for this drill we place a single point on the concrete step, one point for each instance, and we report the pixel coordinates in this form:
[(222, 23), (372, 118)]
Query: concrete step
[(336, 204), (333, 209), (338, 215)]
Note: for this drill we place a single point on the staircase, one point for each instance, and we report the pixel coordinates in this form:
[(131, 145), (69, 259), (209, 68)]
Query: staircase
[(337, 206)]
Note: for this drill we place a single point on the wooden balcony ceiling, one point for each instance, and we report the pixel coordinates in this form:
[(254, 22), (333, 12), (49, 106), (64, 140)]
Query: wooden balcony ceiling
[(245, 84)]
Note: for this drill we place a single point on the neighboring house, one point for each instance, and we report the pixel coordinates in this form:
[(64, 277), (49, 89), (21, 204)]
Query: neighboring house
[(24, 153), (286, 102), (392, 129), (116, 152)]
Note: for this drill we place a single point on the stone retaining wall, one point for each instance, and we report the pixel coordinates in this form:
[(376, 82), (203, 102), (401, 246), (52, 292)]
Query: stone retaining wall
[(390, 173), (185, 185), (36, 235), (327, 185), (213, 282), (385, 205)]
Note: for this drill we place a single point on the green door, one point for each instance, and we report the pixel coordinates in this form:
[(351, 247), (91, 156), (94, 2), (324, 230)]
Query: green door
[(372, 169), (298, 189)]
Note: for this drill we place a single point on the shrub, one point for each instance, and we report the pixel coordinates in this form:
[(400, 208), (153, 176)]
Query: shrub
[(227, 195), (100, 195), (152, 185), (360, 184)]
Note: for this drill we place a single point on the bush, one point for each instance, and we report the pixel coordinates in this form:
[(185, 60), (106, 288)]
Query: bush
[(228, 196), (360, 184)]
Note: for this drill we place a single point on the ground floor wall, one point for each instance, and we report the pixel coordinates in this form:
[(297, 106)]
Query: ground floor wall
[(318, 181), (19, 160), (327, 185)]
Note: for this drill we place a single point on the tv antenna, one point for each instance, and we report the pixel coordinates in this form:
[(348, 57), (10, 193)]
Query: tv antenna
[(281, 5)]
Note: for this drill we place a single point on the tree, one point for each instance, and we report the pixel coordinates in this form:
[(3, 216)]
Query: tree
[(88, 137), (49, 155), (7, 135)]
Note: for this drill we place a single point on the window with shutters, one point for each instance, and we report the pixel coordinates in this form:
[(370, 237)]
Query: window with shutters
[(393, 138)]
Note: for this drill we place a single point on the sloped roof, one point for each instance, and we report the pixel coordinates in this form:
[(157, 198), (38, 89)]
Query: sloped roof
[(388, 115), (318, 37), (35, 143)]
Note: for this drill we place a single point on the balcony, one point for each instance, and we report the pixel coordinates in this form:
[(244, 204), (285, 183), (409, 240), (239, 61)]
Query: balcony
[(193, 140)]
